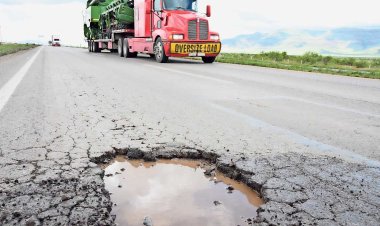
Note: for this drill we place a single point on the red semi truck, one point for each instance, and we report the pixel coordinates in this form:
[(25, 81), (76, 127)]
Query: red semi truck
[(163, 29)]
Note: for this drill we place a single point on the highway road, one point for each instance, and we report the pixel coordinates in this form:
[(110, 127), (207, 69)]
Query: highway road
[(61, 108)]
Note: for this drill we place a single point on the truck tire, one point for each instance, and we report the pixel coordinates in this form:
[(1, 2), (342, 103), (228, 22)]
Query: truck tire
[(120, 47), (126, 51), (208, 60), (159, 52), (96, 47), (93, 46)]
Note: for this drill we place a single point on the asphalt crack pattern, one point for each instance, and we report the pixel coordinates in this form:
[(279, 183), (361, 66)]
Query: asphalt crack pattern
[(49, 173)]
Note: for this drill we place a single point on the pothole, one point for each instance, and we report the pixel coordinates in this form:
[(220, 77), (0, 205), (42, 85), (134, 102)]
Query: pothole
[(177, 192)]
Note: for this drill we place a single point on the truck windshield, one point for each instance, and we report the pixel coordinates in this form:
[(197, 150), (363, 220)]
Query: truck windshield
[(190, 5)]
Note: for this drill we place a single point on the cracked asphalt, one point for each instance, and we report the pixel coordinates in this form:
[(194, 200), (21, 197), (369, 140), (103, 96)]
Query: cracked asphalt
[(308, 143)]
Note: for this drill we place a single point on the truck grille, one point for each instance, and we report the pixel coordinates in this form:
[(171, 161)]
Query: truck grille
[(192, 30), (203, 30)]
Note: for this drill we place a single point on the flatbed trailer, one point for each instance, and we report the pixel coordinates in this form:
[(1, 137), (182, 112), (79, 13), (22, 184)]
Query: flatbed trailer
[(112, 44)]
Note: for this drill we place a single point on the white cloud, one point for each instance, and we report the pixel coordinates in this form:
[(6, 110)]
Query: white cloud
[(248, 16), (30, 21), (37, 22)]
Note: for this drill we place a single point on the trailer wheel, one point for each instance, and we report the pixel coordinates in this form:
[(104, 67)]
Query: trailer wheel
[(96, 47), (126, 51), (89, 46), (93, 46), (208, 60), (120, 47), (159, 51)]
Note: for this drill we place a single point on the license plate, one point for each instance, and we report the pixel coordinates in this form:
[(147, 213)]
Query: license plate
[(186, 48)]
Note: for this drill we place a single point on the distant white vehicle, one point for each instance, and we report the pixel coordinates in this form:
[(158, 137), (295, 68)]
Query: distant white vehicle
[(55, 41)]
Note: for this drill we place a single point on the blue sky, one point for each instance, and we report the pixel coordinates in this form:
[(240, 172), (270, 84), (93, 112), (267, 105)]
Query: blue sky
[(363, 41), (360, 38), (270, 19)]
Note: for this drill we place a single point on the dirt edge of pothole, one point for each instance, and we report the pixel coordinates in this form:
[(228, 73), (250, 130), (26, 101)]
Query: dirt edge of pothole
[(228, 168)]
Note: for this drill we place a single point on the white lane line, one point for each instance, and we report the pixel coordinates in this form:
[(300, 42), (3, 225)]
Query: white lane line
[(300, 139), (190, 74), (8, 89), (354, 111)]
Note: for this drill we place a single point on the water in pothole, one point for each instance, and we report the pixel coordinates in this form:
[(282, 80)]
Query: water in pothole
[(176, 192)]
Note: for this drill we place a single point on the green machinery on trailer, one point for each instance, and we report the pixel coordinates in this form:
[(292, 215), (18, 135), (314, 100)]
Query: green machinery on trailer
[(104, 16)]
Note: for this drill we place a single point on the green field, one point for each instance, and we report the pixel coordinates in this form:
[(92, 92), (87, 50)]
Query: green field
[(8, 48), (311, 62)]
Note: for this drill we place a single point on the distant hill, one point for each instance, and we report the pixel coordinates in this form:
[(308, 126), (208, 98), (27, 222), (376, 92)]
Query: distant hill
[(341, 41)]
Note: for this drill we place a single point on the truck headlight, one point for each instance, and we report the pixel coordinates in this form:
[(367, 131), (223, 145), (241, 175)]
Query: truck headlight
[(177, 37), (214, 37)]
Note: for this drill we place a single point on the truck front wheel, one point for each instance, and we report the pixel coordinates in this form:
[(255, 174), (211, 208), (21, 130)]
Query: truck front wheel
[(208, 60), (120, 47), (159, 51)]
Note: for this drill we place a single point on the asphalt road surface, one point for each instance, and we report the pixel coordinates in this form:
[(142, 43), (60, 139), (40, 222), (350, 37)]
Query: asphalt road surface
[(310, 143)]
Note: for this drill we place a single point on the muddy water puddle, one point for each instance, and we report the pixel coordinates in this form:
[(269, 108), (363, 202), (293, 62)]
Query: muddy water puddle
[(177, 192)]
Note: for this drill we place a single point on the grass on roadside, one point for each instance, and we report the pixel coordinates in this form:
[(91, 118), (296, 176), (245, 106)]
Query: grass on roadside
[(9, 48), (310, 62)]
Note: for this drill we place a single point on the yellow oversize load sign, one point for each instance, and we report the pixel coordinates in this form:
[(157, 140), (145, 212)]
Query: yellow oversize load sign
[(185, 48)]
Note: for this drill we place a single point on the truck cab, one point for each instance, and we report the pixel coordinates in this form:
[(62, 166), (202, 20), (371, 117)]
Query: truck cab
[(173, 28)]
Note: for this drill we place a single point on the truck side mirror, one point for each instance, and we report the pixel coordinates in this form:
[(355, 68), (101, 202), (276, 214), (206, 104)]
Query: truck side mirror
[(208, 11)]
